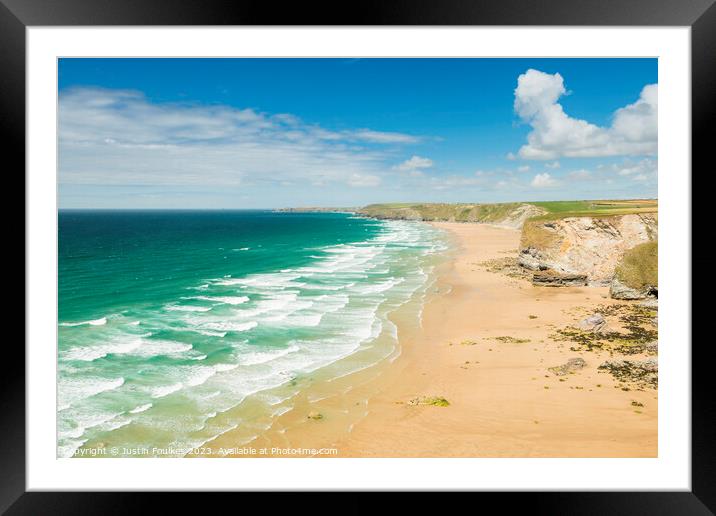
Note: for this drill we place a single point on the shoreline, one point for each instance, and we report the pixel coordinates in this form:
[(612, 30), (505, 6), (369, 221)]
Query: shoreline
[(485, 346)]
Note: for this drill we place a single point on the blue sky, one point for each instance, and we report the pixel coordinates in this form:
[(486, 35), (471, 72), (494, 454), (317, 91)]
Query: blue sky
[(263, 133)]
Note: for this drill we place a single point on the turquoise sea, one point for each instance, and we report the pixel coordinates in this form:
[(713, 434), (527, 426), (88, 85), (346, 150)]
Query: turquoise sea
[(169, 321)]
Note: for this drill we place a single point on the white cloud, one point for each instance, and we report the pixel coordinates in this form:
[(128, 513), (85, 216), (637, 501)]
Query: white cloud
[(543, 180), (552, 165), (555, 134), (414, 163), (580, 174), (363, 180), (523, 168), (119, 137), (643, 169), (381, 137)]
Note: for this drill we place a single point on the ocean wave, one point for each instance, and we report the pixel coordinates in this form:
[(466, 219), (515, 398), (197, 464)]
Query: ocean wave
[(91, 353), (188, 308), (199, 375), (72, 390), (377, 288), (302, 320), (230, 326), (157, 347), (141, 408), (84, 421), (228, 300), (212, 333), (165, 390), (225, 367), (262, 357), (95, 322)]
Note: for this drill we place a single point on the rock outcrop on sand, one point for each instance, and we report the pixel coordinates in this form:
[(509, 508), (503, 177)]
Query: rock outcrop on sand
[(594, 323), (558, 279), (590, 246), (619, 290), (573, 364), (642, 372)]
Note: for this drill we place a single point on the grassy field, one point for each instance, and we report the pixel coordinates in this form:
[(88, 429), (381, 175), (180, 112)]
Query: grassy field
[(498, 212), (563, 209)]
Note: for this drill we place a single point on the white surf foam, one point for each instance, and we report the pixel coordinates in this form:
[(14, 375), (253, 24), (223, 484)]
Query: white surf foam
[(188, 308), (228, 300), (230, 326), (90, 353), (141, 408), (165, 390), (72, 390), (96, 322)]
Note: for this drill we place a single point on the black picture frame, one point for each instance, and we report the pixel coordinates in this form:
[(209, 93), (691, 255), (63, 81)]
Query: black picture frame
[(700, 15)]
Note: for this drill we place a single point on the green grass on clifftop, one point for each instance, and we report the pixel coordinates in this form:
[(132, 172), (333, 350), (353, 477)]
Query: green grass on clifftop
[(440, 211), (639, 268), (563, 209)]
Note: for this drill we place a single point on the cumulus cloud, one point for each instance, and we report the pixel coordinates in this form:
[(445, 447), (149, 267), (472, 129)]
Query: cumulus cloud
[(363, 180), (120, 137), (555, 134), (523, 168), (580, 174), (414, 163), (642, 170), (543, 180)]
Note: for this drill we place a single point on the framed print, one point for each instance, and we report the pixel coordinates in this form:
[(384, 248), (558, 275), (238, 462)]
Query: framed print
[(414, 250)]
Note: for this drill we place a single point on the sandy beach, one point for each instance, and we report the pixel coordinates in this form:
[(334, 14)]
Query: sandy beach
[(503, 400), (485, 344)]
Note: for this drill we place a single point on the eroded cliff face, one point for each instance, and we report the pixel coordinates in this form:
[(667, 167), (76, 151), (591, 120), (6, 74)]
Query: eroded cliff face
[(590, 246)]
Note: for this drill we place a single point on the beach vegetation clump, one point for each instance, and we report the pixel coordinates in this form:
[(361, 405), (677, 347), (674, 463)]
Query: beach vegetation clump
[(435, 401), (315, 415), (506, 339), (639, 267), (637, 335), (641, 373)]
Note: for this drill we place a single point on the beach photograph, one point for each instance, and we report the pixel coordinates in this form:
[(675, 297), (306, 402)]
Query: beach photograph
[(357, 258)]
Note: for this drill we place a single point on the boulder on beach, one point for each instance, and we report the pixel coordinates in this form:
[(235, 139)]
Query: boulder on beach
[(551, 278), (573, 364), (594, 323)]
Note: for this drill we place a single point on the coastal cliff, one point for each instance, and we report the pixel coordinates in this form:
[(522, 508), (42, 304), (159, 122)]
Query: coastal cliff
[(563, 243), (590, 247), (503, 214)]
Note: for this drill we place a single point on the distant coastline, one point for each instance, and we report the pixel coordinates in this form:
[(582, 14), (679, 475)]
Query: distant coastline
[(316, 209)]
